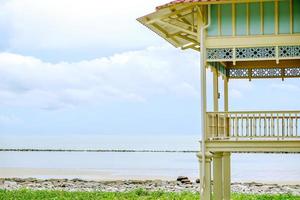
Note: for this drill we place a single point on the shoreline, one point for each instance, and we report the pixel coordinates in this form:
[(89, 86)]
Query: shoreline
[(103, 175), (110, 175), (130, 185)]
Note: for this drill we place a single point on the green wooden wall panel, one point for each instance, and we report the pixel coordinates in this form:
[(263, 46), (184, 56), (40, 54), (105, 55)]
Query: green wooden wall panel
[(296, 12), (226, 19), (284, 16), (213, 28), (269, 18), (255, 18), (241, 19)]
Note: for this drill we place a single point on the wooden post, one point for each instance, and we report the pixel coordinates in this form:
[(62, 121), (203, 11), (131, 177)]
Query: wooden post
[(217, 157), (216, 90), (205, 169), (217, 176), (226, 104), (226, 176), (226, 155), (226, 94), (206, 193)]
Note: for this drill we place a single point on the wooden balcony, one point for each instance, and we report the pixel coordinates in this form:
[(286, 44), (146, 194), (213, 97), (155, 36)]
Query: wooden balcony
[(253, 131), (272, 125)]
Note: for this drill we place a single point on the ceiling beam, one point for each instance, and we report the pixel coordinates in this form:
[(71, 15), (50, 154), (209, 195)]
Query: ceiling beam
[(151, 21), (178, 28), (166, 33), (293, 63)]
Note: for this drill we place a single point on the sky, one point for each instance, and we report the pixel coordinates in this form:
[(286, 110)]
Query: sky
[(87, 67)]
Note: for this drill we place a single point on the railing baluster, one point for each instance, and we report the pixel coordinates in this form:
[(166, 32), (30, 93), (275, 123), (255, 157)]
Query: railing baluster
[(273, 125), (291, 126), (297, 125), (224, 125), (254, 126), (288, 126), (259, 121), (278, 130), (248, 126), (283, 126), (269, 125), (251, 126), (238, 126), (218, 125), (214, 125), (242, 125), (231, 127), (236, 130), (265, 127), (207, 125)]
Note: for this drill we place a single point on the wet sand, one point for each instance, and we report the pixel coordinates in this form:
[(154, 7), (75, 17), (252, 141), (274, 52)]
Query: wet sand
[(91, 174)]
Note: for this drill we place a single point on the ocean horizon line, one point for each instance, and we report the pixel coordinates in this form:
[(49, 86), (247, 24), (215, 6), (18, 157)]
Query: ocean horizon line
[(117, 151), (99, 150)]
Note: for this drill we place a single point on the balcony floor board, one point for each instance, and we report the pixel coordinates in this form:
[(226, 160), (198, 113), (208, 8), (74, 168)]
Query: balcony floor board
[(254, 146)]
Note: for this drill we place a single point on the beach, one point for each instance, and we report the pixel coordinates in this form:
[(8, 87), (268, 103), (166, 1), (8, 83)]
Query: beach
[(144, 166), (128, 171)]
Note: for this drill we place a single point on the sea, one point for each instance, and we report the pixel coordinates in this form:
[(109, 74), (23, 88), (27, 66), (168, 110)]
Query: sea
[(265, 168)]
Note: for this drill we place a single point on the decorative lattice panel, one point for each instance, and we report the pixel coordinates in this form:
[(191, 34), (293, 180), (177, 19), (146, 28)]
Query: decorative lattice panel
[(220, 54), (242, 73), (258, 52), (289, 51), (231, 54), (273, 72), (292, 72), (238, 73)]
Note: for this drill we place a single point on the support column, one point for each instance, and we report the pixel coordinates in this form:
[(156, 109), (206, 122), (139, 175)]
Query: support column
[(226, 175), (226, 94), (217, 176), (226, 155), (226, 104), (216, 89), (206, 185)]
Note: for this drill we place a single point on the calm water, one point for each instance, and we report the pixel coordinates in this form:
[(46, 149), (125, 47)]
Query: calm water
[(245, 167)]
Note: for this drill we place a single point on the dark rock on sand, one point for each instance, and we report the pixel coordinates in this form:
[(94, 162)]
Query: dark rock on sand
[(184, 180)]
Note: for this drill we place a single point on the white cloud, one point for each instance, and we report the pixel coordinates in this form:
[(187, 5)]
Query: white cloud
[(72, 24), (130, 76)]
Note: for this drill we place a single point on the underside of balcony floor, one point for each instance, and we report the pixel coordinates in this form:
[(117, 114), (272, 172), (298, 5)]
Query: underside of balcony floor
[(254, 146)]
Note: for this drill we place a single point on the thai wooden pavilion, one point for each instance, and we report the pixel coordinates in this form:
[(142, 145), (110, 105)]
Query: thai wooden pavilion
[(237, 39)]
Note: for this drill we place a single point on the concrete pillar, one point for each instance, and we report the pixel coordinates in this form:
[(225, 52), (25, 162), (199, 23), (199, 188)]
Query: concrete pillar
[(226, 175), (217, 176), (205, 186)]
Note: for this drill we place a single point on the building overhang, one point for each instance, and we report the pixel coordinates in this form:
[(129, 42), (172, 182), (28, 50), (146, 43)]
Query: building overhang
[(248, 56), (177, 21)]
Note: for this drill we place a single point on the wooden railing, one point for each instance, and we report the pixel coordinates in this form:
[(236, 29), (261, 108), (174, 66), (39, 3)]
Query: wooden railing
[(253, 125)]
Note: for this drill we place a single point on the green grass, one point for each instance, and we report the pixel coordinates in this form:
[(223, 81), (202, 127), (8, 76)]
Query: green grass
[(134, 195)]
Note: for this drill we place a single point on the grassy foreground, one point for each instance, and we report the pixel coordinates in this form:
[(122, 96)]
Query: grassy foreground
[(135, 195)]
